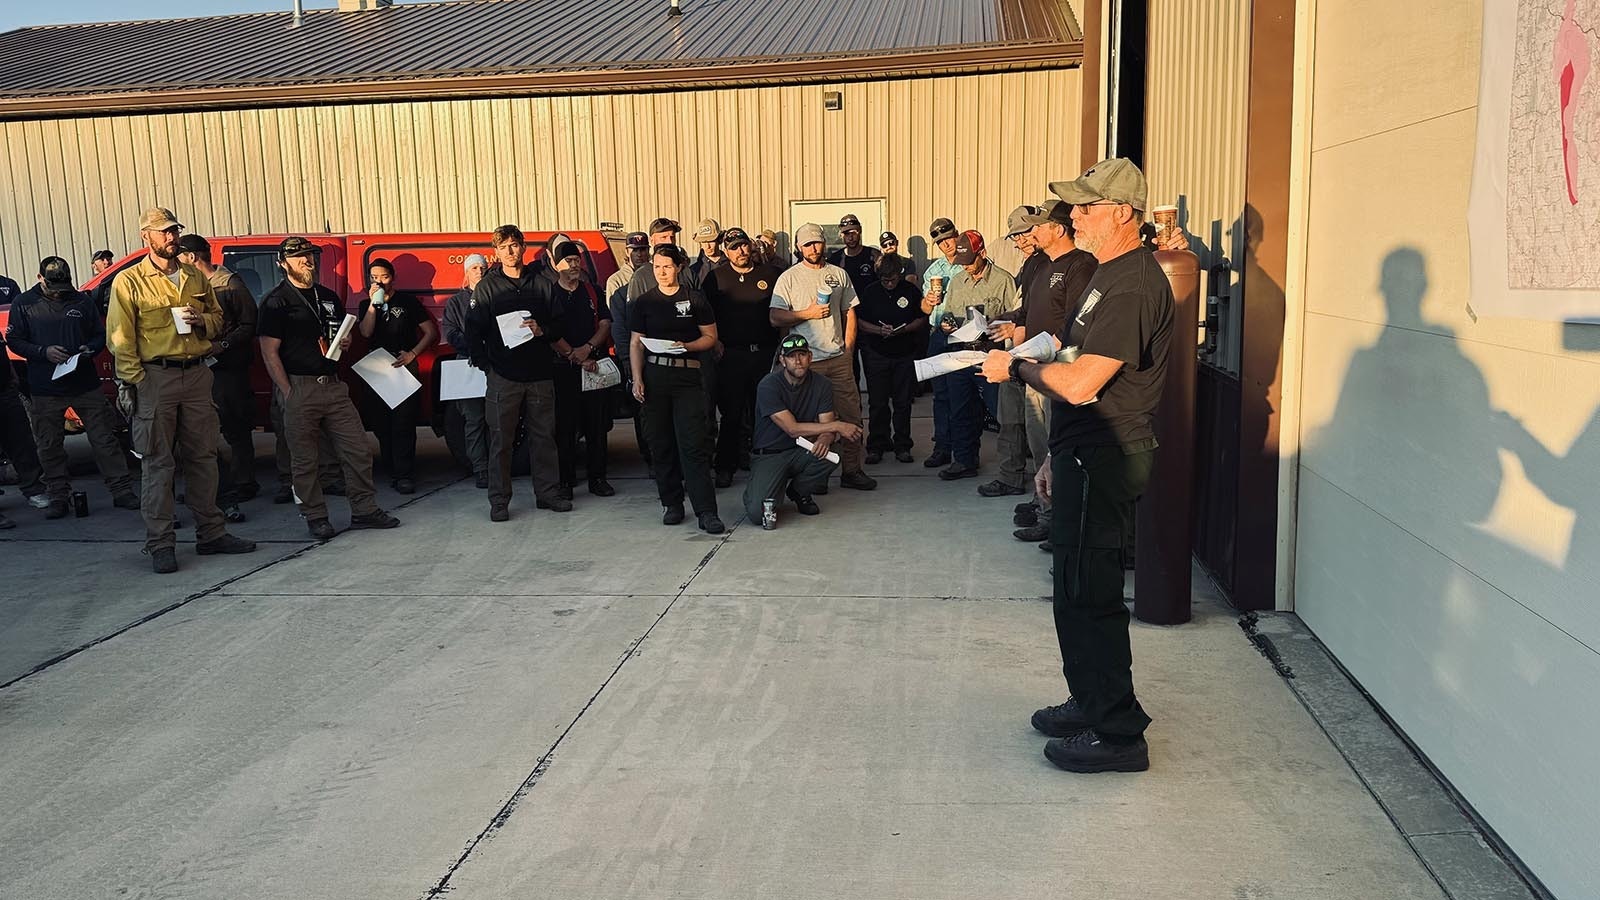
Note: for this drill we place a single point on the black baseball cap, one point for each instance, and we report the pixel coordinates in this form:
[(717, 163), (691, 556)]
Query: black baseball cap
[(849, 223), (664, 224), (102, 254), (56, 273), (735, 237), (638, 240), (886, 238), (297, 246), (941, 229), (564, 250), (194, 243), (794, 343)]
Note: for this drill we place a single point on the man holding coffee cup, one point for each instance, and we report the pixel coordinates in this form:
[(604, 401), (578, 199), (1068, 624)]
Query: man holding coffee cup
[(816, 300), (159, 326)]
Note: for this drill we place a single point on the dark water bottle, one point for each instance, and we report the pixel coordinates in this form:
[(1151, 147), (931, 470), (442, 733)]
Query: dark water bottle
[(80, 504)]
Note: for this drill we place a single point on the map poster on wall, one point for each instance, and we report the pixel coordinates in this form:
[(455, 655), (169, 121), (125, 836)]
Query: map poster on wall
[(1534, 214)]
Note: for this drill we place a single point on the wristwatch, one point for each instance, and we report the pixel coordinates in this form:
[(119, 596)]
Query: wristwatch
[(1016, 370)]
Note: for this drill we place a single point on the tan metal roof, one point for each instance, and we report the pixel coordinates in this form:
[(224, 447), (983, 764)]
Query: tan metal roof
[(477, 47)]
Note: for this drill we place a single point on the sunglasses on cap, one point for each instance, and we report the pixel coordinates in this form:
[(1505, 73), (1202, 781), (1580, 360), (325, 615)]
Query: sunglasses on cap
[(793, 343)]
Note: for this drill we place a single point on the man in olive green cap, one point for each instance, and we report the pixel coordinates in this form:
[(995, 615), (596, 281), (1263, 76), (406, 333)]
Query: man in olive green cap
[(1102, 447)]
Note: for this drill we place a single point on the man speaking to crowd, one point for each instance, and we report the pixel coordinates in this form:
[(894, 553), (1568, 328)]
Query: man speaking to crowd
[(1102, 447)]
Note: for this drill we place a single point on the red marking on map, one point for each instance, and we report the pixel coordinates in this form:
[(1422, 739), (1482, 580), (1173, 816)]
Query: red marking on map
[(1571, 70)]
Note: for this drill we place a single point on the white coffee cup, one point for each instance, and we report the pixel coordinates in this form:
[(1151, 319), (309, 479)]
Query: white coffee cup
[(179, 321)]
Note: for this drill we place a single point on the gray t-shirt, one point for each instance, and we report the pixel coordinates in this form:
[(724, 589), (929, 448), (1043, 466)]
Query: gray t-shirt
[(806, 401), (797, 289)]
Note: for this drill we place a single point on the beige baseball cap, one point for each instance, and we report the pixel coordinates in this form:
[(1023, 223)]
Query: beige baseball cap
[(707, 230), (1117, 180), (158, 218)]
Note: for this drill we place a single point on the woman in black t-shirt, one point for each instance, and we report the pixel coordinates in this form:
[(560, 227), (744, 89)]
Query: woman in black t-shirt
[(667, 384)]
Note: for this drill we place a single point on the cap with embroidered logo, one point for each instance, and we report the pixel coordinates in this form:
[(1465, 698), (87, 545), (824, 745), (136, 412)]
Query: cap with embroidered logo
[(56, 274), (1117, 180), (158, 218)]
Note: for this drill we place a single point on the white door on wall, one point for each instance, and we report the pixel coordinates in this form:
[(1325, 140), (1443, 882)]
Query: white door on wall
[(827, 214)]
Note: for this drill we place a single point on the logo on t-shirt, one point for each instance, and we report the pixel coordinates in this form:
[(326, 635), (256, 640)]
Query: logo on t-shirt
[(761, 285), (1057, 279), (1088, 305), (683, 307), (74, 313), (831, 280)]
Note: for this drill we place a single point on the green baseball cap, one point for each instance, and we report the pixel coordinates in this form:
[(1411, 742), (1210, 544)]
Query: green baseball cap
[(1117, 180)]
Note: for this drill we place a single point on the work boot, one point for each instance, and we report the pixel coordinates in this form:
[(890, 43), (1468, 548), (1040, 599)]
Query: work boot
[(998, 488), (557, 503), (321, 529), (1063, 720), (499, 512), (859, 481), (229, 544), (563, 491), (126, 500), (958, 470), (404, 486), (1026, 515), (600, 487), (874, 457), (1087, 751), (938, 459), (1032, 534), (57, 510), (903, 456), (377, 519), (247, 491), (803, 502), (672, 515), (710, 523), (164, 560), (285, 494)]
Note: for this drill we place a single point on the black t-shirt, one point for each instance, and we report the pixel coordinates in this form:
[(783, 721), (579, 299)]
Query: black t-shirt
[(1054, 289), (901, 306), (399, 325), (806, 401), (742, 304), (1026, 270), (862, 268), (677, 317), (1125, 315), (301, 318), (578, 313)]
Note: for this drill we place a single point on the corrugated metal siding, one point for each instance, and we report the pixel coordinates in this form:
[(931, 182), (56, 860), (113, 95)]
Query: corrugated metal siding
[(1195, 120), (475, 37), (740, 155)]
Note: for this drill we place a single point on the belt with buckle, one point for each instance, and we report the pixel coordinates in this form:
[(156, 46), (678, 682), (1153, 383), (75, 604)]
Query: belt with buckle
[(676, 362), (319, 379), (162, 362)]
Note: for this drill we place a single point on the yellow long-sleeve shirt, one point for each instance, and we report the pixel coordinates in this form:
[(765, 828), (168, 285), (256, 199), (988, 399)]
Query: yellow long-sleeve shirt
[(139, 325)]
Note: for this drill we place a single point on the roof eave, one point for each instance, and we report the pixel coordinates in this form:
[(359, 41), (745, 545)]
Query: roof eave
[(922, 63)]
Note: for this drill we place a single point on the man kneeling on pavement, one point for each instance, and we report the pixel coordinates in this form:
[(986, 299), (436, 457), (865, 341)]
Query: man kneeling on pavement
[(793, 403)]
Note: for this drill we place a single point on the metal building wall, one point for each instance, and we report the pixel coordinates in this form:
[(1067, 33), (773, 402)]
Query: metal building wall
[(1195, 119), (74, 185)]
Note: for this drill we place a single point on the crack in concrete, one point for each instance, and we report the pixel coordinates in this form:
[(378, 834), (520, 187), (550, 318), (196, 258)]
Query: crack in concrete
[(503, 815)]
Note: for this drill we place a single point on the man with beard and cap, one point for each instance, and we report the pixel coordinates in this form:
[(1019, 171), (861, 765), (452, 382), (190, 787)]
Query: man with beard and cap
[(858, 261), (50, 325), (1102, 449), (740, 293), (580, 413), (1049, 295), (889, 243), (475, 431), (987, 288), (298, 325), (941, 273), (816, 300), (792, 403), (230, 376), (162, 318)]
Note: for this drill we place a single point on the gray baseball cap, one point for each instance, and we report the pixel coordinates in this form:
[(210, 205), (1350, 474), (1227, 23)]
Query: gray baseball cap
[(808, 233), (1017, 222), (1117, 180)]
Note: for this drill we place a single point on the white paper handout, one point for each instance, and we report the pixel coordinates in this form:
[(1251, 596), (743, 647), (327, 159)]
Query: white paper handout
[(807, 446), (605, 374), (458, 380), (334, 350), (393, 384), (658, 346), (68, 367), (1040, 348), (945, 363), (975, 328), (512, 332)]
